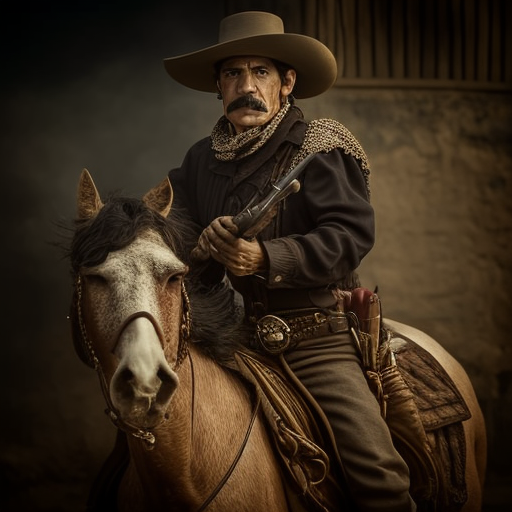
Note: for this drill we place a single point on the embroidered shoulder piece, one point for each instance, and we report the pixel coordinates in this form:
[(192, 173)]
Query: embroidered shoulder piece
[(324, 135)]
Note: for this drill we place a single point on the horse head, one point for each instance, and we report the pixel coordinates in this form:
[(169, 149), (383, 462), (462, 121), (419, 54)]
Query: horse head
[(130, 315)]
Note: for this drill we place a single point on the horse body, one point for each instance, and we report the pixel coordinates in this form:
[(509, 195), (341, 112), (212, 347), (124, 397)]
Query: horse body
[(211, 447)]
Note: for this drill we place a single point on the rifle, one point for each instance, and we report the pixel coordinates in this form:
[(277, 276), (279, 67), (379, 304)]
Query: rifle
[(252, 220)]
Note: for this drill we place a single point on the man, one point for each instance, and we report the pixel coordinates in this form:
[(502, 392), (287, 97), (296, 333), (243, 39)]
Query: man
[(314, 243)]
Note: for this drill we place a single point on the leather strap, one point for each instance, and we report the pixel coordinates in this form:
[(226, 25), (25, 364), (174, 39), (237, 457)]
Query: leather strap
[(307, 324), (229, 472)]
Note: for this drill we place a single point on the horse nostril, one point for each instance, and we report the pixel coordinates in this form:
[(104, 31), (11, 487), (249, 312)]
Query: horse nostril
[(122, 385), (168, 385), (126, 375), (164, 376)]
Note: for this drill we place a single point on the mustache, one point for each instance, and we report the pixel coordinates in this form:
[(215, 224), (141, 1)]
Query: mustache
[(247, 101)]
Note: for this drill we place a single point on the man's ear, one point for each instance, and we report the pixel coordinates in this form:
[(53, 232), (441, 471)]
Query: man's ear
[(219, 92), (288, 82)]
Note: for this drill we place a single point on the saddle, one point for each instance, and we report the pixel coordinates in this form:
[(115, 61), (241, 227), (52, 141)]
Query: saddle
[(419, 401), (301, 438)]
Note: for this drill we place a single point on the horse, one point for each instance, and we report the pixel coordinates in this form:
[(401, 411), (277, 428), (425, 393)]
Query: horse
[(196, 437)]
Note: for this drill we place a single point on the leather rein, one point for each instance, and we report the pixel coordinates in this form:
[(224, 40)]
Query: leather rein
[(183, 352)]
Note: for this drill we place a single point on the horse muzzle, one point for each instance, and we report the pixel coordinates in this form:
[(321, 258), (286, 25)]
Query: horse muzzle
[(143, 383)]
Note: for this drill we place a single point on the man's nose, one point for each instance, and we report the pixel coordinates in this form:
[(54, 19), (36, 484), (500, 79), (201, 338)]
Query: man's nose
[(246, 84)]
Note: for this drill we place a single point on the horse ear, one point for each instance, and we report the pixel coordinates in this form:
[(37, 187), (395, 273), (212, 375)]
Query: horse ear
[(160, 198), (88, 200)]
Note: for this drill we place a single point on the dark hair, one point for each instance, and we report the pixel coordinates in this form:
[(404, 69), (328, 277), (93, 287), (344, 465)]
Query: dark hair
[(282, 69)]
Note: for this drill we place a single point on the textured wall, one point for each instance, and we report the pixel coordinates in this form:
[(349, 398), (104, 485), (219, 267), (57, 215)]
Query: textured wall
[(441, 182), (88, 89)]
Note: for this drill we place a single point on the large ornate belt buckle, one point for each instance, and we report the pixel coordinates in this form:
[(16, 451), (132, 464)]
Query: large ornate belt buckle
[(273, 333)]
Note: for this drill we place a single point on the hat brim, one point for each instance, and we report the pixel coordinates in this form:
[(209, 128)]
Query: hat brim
[(313, 62)]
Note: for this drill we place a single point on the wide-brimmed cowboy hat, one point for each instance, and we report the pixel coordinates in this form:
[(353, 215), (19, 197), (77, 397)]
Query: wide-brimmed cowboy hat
[(260, 34)]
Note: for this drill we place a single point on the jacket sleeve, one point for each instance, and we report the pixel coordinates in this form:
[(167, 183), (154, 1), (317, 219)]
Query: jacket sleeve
[(327, 228)]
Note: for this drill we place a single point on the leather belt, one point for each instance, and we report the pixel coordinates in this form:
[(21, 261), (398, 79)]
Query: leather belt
[(278, 332)]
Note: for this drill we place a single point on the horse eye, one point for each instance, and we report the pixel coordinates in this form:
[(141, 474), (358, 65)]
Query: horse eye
[(173, 278), (95, 279)]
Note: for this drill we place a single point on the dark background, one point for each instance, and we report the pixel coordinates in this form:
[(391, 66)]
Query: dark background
[(83, 85)]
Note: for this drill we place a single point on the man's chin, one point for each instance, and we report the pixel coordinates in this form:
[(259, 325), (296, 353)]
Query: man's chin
[(246, 118)]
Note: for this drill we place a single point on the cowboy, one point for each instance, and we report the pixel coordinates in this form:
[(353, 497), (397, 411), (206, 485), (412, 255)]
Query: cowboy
[(314, 243)]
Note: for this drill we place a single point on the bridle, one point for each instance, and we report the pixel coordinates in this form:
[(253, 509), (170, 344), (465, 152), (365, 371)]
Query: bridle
[(182, 353), (146, 435)]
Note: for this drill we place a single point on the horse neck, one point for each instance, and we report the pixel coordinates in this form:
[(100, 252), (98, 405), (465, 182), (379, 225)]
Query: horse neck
[(221, 405), (193, 447)]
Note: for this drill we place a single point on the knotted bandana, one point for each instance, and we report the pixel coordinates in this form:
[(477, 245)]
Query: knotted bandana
[(234, 146)]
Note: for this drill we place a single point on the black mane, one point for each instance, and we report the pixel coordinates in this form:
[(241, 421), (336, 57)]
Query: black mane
[(119, 222)]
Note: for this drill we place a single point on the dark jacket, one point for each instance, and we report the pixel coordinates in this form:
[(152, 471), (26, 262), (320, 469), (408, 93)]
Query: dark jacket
[(320, 234)]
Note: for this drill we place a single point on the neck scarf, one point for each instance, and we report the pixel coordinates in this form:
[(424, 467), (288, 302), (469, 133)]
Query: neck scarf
[(234, 146)]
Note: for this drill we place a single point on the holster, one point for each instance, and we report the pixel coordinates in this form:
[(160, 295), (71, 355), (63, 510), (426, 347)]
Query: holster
[(394, 396)]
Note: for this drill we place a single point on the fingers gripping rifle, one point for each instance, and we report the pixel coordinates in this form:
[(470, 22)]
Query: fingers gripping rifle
[(252, 220)]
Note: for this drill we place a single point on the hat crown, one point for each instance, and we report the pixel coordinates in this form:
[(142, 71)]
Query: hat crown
[(249, 24)]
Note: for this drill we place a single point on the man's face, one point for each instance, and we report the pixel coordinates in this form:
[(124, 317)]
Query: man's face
[(252, 90)]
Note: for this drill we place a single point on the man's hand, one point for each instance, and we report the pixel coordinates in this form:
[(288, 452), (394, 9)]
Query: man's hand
[(241, 257)]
